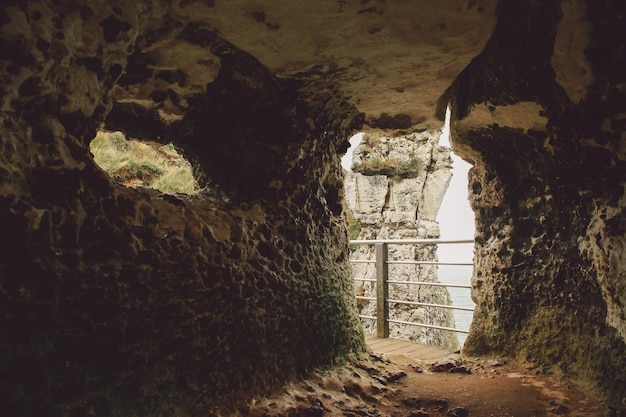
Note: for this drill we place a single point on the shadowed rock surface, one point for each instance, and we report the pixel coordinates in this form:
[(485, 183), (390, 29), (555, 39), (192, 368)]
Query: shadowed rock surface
[(117, 301), (544, 127)]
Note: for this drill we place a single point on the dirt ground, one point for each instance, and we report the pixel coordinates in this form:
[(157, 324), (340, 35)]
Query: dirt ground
[(400, 386)]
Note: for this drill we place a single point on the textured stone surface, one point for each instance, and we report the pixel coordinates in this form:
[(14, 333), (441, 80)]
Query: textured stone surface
[(544, 127), (398, 179), (122, 302)]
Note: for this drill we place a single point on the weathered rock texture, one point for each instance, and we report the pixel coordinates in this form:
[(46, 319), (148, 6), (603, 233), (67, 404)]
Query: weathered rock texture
[(121, 302), (395, 192), (545, 127)]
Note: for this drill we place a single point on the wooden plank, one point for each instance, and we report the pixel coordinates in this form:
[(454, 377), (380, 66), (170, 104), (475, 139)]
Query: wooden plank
[(380, 343), (396, 346)]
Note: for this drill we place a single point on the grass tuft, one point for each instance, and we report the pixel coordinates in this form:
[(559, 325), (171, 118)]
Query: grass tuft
[(135, 163)]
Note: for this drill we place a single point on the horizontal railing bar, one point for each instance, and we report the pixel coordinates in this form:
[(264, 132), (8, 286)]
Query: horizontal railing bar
[(426, 263), (430, 326), (409, 241), (386, 281), (434, 284), (416, 303), (365, 261)]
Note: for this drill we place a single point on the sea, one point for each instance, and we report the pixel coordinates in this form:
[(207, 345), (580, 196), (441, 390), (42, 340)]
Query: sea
[(460, 296)]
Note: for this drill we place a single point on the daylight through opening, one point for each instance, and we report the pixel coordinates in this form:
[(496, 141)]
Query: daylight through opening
[(136, 163), (409, 194)]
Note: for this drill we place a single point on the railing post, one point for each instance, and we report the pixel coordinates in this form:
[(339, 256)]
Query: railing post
[(382, 291)]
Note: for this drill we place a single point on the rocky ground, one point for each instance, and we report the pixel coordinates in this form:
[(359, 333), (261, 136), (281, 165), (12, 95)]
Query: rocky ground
[(400, 386)]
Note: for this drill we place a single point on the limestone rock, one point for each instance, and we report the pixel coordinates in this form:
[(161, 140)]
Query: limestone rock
[(366, 196), (548, 189)]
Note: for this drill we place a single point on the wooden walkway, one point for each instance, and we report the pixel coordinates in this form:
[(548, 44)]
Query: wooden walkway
[(405, 347)]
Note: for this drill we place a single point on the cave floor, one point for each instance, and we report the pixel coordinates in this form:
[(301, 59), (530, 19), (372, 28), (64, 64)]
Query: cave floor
[(422, 381), (420, 351)]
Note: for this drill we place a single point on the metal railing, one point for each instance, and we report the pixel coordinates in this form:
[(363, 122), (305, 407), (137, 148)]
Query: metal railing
[(382, 282)]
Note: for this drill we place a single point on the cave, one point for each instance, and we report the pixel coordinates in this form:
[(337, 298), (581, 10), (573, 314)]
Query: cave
[(121, 301)]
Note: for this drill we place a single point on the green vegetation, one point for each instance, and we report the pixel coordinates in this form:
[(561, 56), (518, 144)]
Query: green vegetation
[(376, 163), (369, 143), (390, 168), (354, 227), (135, 163)]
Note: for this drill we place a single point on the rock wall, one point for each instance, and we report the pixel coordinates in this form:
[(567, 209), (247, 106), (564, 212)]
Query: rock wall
[(544, 127), (118, 301), (394, 191)]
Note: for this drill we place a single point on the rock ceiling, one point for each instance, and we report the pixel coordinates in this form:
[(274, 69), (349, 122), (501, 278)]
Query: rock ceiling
[(389, 58)]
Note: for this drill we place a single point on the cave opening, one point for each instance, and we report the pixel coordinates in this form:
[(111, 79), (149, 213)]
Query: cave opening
[(133, 162), (413, 185)]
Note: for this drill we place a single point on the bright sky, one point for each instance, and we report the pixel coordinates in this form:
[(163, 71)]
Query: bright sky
[(346, 160), (456, 218)]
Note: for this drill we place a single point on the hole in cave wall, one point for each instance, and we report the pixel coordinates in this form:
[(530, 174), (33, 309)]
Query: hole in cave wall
[(133, 162)]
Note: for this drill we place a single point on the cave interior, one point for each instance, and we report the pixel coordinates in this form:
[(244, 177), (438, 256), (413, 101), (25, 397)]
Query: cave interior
[(111, 296)]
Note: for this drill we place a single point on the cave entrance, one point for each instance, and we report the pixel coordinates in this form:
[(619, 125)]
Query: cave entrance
[(379, 205), (456, 222), (136, 163)]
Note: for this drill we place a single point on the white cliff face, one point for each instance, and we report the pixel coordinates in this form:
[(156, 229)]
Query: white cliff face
[(394, 191), (398, 180), (366, 196)]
